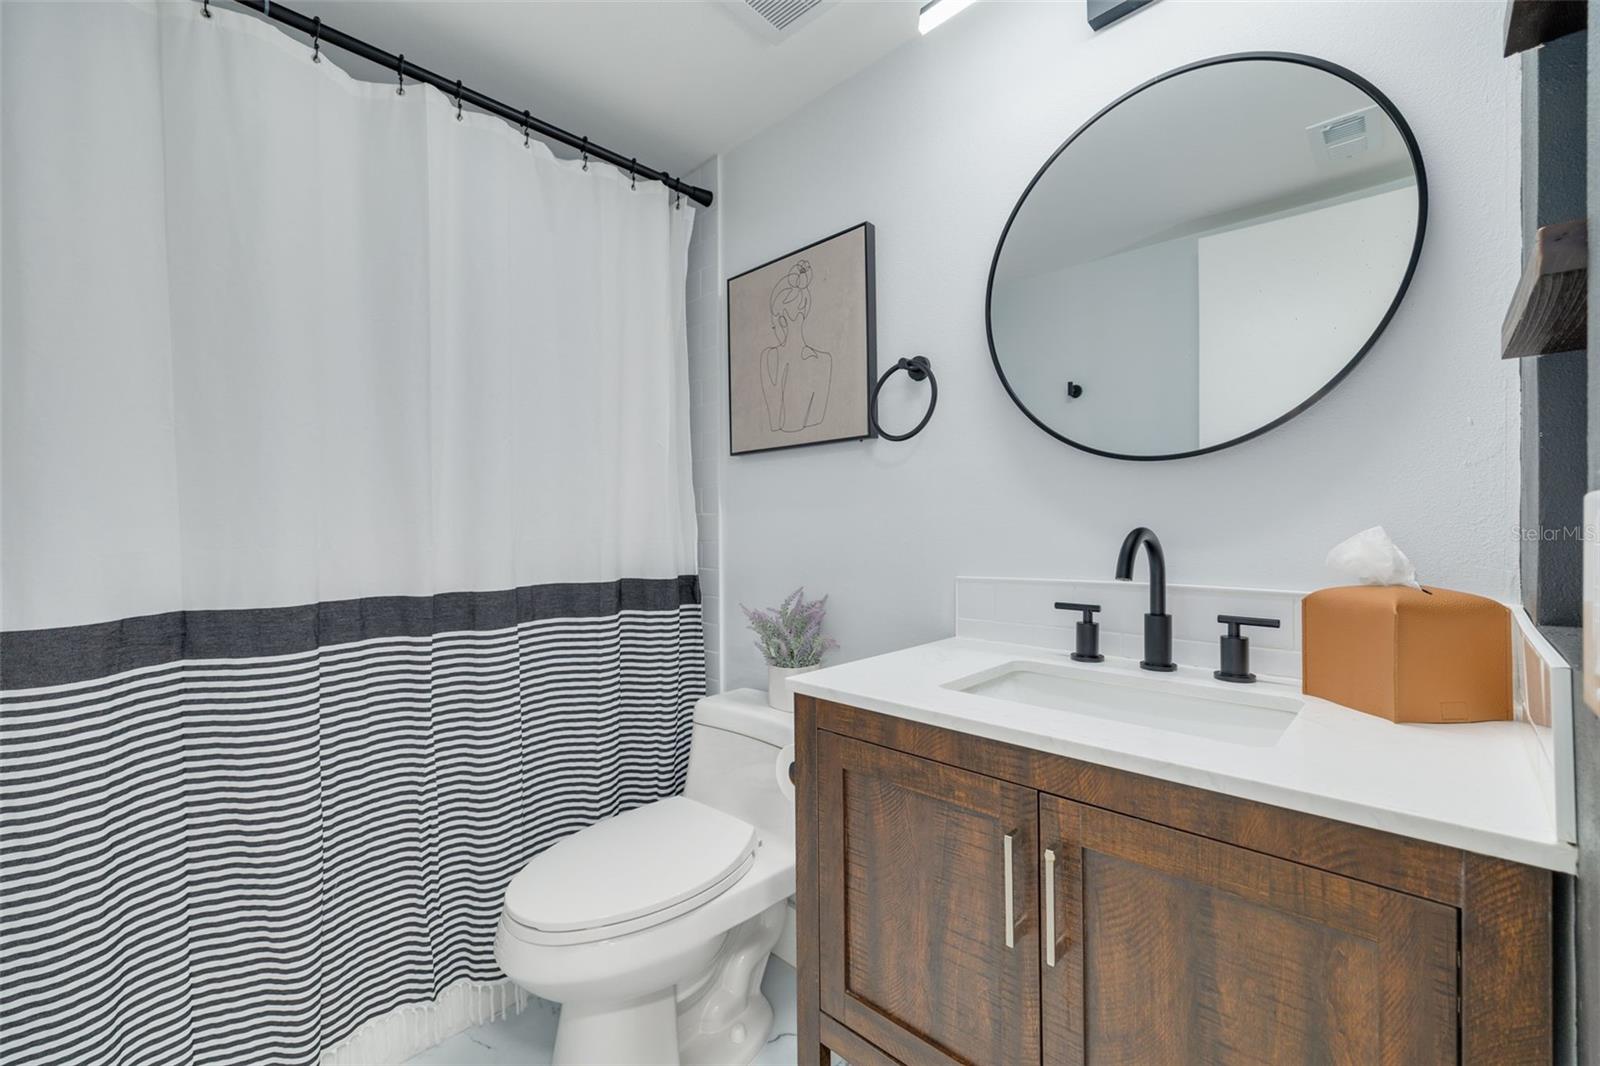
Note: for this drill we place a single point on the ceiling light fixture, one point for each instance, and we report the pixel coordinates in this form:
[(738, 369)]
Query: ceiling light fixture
[(936, 13)]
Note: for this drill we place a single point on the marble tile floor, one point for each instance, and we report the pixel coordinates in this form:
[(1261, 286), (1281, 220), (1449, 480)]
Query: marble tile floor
[(527, 1039)]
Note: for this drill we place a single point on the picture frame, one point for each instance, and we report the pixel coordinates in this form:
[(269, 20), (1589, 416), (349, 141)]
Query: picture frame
[(802, 346)]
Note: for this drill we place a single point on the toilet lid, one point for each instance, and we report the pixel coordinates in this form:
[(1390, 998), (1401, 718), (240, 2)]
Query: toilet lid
[(647, 860)]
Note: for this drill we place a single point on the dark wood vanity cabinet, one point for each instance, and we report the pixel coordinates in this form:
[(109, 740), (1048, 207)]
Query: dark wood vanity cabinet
[(1172, 948), (921, 954), (965, 901)]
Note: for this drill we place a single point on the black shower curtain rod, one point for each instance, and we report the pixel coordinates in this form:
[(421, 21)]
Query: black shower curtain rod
[(322, 33)]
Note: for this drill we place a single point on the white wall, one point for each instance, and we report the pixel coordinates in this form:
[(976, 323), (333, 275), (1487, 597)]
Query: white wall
[(1276, 323), (934, 144)]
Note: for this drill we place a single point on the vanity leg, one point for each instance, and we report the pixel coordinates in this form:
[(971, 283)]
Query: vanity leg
[(807, 938)]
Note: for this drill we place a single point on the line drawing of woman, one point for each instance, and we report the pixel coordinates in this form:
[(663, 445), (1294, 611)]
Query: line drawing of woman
[(795, 377)]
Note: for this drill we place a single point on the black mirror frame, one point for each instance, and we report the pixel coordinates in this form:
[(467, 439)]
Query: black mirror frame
[(1405, 282)]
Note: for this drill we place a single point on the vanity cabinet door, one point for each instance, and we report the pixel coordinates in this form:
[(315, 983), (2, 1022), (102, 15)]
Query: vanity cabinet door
[(1172, 948), (928, 906)]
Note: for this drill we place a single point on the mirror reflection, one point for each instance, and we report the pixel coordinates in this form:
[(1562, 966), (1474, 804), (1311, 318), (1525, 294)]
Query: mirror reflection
[(1205, 258)]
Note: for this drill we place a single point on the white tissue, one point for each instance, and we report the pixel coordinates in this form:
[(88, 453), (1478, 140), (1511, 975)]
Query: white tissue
[(1371, 558)]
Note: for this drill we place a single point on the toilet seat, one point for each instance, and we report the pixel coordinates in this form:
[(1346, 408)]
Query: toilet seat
[(630, 872)]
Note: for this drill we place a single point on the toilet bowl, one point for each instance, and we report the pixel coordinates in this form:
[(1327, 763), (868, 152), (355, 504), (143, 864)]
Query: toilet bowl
[(652, 929)]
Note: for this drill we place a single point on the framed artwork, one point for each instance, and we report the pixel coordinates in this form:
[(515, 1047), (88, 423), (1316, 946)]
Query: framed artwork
[(802, 346)]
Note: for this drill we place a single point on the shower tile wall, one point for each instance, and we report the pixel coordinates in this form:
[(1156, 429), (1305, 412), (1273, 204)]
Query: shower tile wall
[(708, 413)]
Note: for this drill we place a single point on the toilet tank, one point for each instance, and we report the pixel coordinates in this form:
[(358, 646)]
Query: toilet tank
[(733, 758)]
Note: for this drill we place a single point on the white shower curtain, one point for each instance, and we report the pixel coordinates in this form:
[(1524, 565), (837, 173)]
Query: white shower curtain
[(346, 534)]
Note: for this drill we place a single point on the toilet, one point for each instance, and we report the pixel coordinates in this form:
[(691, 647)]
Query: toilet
[(652, 929)]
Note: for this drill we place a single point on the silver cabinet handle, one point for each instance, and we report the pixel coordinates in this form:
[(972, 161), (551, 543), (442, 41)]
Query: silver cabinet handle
[(1049, 907), (1011, 940)]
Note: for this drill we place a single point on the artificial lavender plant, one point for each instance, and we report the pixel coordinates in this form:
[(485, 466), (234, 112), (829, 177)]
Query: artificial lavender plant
[(790, 635)]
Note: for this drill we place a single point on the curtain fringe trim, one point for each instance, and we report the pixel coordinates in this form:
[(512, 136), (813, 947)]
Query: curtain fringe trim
[(390, 1039)]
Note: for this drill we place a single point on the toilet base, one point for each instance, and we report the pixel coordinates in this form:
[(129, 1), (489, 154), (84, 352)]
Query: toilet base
[(717, 1018), (724, 1019), (737, 1045), (643, 1032)]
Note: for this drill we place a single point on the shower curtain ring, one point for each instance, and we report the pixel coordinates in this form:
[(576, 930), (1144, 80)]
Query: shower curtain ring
[(205, 8), (316, 39), (527, 120), (586, 153), (400, 76), (633, 176), (458, 99)]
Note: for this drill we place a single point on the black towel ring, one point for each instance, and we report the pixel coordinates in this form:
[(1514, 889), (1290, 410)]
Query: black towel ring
[(916, 368)]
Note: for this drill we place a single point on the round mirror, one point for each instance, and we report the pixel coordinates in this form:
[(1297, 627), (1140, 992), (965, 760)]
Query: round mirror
[(1206, 257)]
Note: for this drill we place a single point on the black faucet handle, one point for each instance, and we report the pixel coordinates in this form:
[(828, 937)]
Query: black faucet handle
[(1234, 621), (1087, 644), (1235, 665)]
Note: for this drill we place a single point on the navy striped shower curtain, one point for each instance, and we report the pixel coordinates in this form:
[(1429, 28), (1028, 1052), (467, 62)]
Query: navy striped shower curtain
[(346, 538)]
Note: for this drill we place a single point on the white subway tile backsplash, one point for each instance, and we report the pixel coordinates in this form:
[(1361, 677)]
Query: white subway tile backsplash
[(707, 401), (1028, 603), (1022, 611), (1198, 620), (974, 599), (1014, 633), (706, 440), (705, 495)]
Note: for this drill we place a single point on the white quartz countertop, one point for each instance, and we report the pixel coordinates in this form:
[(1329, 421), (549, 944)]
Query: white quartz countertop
[(1468, 786)]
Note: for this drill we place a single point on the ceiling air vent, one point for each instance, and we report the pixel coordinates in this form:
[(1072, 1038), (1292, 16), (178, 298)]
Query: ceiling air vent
[(1341, 130), (1347, 137), (773, 20)]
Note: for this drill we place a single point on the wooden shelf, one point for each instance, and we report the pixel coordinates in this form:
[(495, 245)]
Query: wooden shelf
[(1549, 311), (1530, 23)]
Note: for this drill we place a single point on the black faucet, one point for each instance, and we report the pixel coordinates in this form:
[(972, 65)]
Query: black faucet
[(1158, 623)]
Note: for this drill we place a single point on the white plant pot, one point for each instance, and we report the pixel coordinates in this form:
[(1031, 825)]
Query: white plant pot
[(780, 697)]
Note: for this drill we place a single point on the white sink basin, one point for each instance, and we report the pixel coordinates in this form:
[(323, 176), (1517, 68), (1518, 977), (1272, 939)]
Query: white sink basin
[(1248, 716)]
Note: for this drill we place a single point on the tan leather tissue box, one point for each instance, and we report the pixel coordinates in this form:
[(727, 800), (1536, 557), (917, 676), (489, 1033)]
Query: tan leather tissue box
[(1408, 655)]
